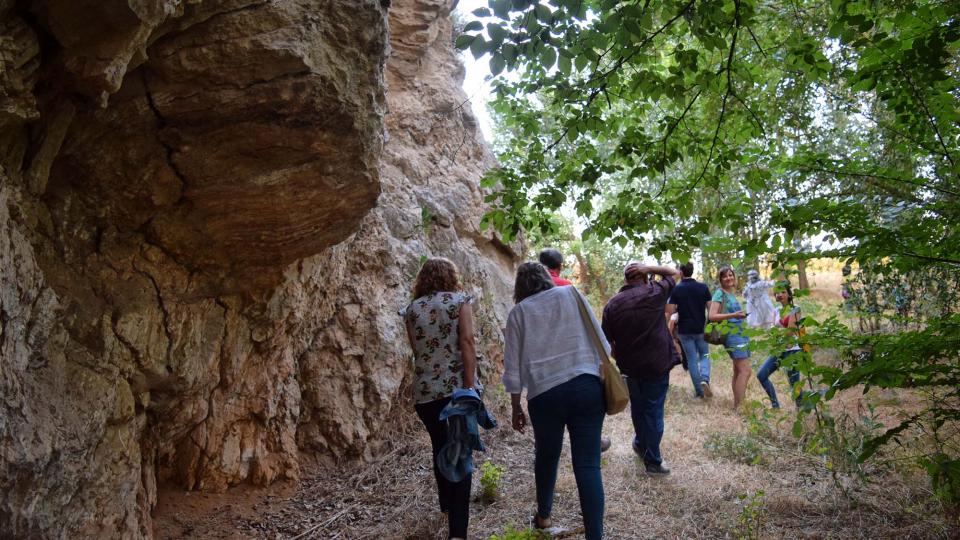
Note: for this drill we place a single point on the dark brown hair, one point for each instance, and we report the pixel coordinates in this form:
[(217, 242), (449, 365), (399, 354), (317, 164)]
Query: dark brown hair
[(531, 278), (436, 275)]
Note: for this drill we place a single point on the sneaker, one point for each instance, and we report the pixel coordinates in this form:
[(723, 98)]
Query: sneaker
[(657, 469), (705, 387), (605, 444)]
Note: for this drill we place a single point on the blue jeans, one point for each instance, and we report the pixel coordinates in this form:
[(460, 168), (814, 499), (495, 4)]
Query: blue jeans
[(646, 409), (698, 359), (577, 405), (769, 366)]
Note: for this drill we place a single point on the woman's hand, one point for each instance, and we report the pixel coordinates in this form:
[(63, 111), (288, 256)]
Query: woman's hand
[(738, 315), (519, 419)]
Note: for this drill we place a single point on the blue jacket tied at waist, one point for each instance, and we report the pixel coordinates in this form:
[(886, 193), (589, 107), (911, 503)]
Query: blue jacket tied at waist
[(465, 414)]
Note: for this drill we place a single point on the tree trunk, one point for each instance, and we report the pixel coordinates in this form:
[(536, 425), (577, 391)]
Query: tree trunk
[(802, 274), (589, 278)]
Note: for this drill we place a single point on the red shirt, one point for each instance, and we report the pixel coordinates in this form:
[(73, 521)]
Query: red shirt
[(557, 280)]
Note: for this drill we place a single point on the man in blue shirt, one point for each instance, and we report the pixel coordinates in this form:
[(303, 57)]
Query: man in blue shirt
[(689, 299)]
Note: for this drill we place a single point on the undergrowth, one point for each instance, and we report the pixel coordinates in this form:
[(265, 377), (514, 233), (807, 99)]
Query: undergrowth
[(511, 532), (751, 516), (490, 478), (738, 447)]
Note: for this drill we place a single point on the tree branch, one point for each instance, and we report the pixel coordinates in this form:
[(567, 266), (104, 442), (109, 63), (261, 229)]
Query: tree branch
[(723, 107), (753, 115), (823, 169), (639, 47), (673, 126)]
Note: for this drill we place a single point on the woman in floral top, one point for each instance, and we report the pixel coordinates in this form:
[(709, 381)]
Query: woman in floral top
[(439, 324)]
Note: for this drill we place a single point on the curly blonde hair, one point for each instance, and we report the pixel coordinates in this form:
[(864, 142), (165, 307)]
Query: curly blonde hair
[(436, 275)]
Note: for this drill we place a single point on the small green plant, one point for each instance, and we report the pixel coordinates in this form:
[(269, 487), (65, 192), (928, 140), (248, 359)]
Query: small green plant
[(750, 518), (759, 420), (490, 477), (512, 533), (741, 448), (426, 219), (839, 439)]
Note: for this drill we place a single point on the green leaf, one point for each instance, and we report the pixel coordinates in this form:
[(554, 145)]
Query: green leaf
[(797, 428), (581, 62), (497, 64), (497, 33), (472, 26), (464, 41), (549, 57), (501, 8), (543, 13), (478, 47)]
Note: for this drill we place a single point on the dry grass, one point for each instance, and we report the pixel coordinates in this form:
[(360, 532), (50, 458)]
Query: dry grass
[(395, 497)]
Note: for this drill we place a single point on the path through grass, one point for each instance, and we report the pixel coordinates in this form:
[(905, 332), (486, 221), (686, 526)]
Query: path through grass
[(734, 476)]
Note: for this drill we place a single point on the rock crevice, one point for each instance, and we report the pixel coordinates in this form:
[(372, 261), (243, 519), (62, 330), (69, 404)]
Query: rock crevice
[(210, 213)]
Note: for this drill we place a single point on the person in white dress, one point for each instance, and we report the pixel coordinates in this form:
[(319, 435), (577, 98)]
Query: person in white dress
[(760, 310)]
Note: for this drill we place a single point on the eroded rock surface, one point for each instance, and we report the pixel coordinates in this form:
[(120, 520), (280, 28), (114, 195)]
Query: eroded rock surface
[(210, 212)]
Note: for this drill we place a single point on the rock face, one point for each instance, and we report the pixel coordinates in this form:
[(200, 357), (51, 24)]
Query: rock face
[(210, 212)]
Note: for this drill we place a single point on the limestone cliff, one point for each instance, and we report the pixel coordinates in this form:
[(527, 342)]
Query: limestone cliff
[(210, 212)]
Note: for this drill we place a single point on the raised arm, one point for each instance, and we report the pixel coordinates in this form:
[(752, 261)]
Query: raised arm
[(635, 270)]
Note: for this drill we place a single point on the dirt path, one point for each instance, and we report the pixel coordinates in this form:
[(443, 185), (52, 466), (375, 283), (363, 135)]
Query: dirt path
[(706, 496)]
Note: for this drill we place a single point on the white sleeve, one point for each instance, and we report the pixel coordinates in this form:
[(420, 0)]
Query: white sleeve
[(512, 351)]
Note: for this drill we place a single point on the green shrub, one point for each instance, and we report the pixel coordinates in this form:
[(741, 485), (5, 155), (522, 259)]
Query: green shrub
[(760, 420), (839, 439), (512, 533), (750, 518), (738, 447), (490, 477)]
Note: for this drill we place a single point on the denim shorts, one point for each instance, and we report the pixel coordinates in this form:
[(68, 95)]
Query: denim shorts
[(737, 346)]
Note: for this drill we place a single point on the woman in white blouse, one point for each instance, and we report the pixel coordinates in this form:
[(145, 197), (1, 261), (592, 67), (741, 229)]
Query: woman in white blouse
[(550, 353)]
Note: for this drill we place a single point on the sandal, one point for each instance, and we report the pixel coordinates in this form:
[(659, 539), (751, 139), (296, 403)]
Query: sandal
[(554, 531), (540, 523)]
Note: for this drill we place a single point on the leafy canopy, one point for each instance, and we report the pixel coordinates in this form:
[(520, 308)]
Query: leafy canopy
[(745, 127)]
